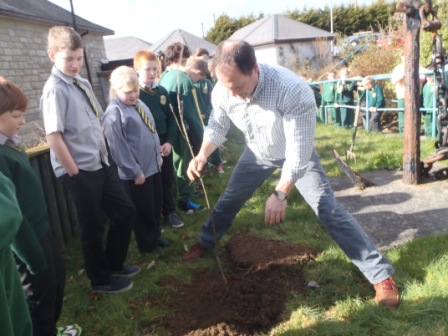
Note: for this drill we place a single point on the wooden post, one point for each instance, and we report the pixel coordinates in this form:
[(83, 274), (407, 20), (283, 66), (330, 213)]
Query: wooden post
[(411, 139)]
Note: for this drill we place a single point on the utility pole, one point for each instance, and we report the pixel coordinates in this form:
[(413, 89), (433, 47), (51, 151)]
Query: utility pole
[(409, 13), (331, 26)]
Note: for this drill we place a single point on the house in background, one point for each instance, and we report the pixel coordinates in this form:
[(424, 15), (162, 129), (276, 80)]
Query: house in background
[(191, 41), (24, 26), (279, 40), (121, 51)]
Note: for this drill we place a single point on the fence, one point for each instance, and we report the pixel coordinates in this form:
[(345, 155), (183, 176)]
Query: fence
[(61, 209), (380, 77)]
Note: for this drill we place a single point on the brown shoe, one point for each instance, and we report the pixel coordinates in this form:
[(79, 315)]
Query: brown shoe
[(387, 293), (195, 252)]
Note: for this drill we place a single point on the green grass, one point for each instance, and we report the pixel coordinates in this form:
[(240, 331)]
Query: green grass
[(342, 305)]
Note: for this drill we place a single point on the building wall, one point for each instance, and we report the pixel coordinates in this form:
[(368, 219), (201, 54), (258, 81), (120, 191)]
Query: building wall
[(296, 56), (267, 55), (24, 60)]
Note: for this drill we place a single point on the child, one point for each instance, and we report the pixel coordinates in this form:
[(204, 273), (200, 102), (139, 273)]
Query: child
[(345, 97), (181, 87), (147, 65), (429, 104), (14, 315), (374, 100), (39, 261), (197, 67), (328, 99), (131, 133), (80, 161)]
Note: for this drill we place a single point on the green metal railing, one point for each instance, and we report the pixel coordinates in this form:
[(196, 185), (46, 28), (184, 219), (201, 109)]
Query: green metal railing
[(381, 77)]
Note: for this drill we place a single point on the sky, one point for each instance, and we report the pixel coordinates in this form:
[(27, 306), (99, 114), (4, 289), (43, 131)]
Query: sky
[(149, 21)]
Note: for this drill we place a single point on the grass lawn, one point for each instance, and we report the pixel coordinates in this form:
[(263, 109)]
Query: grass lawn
[(342, 304)]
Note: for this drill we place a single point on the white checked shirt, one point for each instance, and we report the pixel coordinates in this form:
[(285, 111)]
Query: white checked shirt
[(278, 120)]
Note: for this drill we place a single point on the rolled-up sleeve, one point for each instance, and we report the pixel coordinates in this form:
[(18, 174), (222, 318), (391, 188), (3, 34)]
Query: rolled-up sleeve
[(299, 123)]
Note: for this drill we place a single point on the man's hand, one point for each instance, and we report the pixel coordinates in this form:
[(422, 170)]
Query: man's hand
[(195, 167), (274, 212)]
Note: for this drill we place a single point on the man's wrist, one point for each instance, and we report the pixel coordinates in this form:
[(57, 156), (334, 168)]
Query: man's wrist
[(281, 196)]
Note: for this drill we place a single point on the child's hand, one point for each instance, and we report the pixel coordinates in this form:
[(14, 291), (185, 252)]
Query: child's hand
[(140, 180), (166, 149)]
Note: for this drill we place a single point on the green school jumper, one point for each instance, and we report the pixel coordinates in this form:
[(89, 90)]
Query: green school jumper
[(159, 102), (345, 96), (328, 99), (180, 86), (15, 319), (14, 163), (428, 103)]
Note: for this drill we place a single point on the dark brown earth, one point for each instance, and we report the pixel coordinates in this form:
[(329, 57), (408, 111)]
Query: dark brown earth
[(247, 298)]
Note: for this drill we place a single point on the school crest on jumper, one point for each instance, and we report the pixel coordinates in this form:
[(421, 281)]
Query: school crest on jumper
[(205, 89), (162, 100)]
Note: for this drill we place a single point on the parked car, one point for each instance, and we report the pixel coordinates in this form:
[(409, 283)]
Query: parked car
[(358, 42)]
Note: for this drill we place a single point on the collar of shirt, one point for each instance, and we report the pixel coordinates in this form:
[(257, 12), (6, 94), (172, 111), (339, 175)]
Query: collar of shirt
[(68, 79), (153, 85), (260, 83), (120, 104), (14, 140)]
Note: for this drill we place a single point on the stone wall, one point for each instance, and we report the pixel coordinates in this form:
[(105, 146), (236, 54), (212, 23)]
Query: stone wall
[(24, 60)]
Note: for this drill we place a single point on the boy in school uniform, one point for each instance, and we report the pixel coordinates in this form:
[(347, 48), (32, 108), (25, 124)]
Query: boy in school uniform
[(204, 88), (39, 261), (345, 97), (80, 161), (15, 318), (179, 85), (328, 99), (429, 104), (374, 96), (148, 67), (134, 144)]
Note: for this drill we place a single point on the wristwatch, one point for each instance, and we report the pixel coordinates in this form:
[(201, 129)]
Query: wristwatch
[(281, 196)]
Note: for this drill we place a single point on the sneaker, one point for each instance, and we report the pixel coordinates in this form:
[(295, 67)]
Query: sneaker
[(195, 252), (114, 287), (174, 221), (219, 168), (190, 207), (70, 330), (387, 293), (126, 272)]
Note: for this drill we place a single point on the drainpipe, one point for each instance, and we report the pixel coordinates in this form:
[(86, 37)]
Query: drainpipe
[(75, 27)]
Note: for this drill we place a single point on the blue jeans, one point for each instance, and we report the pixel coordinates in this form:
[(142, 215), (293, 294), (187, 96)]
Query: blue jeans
[(250, 173)]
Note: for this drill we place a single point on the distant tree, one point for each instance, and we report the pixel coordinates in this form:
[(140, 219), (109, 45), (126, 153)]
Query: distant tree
[(348, 19), (226, 26), (426, 39)]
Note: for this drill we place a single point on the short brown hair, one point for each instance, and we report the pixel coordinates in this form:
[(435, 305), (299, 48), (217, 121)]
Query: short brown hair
[(234, 52), (175, 52), (63, 37), (198, 63), (11, 97), (201, 52)]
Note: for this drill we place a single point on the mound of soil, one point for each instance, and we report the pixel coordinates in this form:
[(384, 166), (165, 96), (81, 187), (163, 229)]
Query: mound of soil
[(247, 297)]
